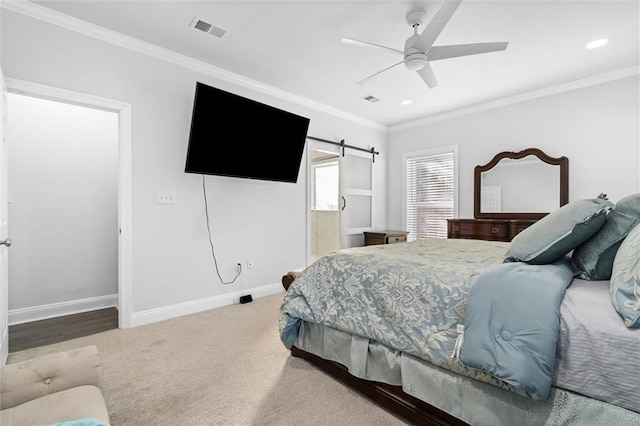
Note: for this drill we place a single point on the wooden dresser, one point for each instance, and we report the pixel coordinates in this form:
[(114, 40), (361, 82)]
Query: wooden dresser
[(384, 237), (487, 229)]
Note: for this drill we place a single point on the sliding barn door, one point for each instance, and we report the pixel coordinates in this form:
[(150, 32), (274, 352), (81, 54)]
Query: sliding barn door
[(356, 196)]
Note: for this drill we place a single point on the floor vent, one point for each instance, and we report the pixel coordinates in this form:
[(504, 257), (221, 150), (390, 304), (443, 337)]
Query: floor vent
[(208, 28)]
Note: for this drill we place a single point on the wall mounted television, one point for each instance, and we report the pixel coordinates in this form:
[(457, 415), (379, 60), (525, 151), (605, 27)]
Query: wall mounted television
[(238, 137)]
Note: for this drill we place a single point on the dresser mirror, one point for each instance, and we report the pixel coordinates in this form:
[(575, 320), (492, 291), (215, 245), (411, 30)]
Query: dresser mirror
[(520, 185)]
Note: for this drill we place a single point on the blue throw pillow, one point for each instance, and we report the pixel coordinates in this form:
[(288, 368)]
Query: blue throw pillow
[(593, 260), (625, 279), (559, 232)]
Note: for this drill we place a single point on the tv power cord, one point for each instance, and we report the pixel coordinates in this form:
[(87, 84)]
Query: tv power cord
[(213, 252)]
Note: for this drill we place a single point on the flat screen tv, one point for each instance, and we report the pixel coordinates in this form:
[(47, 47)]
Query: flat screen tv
[(238, 137)]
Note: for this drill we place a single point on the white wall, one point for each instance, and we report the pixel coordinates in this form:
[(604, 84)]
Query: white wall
[(262, 221), (63, 186), (595, 127), (1, 29)]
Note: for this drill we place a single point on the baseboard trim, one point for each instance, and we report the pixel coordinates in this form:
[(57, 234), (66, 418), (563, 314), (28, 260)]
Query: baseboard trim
[(195, 306), (53, 310)]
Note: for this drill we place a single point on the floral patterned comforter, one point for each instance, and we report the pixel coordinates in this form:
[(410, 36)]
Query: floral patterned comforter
[(408, 296)]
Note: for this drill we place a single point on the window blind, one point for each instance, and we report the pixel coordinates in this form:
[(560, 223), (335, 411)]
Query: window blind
[(430, 195)]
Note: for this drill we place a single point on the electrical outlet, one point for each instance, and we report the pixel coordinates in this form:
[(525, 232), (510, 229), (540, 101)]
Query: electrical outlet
[(250, 264), (165, 197)]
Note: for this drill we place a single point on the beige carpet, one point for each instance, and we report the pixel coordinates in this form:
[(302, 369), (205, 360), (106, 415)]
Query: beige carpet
[(225, 366)]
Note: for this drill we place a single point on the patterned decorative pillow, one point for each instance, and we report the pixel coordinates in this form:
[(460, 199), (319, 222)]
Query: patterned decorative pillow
[(593, 260), (559, 232), (625, 279)]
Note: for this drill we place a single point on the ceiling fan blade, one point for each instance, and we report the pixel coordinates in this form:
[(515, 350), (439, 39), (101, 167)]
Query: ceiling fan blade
[(428, 76), (367, 44), (453, 51), (437, 24), (364, 80)]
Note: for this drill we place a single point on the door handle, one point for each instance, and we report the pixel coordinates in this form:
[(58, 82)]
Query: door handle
[(344, 202), (6, 242)]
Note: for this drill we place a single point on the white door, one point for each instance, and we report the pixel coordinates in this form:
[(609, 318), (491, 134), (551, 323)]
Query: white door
[(356, 196), (5, 242)]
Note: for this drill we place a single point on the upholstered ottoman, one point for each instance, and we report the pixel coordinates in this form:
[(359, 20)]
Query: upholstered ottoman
[(53, 389)]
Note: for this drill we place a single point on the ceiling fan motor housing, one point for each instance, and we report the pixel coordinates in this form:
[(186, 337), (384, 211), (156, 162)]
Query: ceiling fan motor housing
[(414, 58)]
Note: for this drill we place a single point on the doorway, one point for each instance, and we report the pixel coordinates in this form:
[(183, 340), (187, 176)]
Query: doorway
[(63, 209), (76, 301), (340, 201), (325, 194)]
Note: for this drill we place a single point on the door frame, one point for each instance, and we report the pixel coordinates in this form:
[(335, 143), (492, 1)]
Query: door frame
[(123, 110), (4, 273)]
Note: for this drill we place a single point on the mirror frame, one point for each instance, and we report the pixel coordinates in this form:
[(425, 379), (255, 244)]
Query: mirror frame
[(563, 162)]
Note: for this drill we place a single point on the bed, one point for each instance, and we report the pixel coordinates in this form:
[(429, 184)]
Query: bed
[(433, 329)]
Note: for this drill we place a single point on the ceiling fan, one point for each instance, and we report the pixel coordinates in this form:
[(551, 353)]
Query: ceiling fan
[(419, 49)]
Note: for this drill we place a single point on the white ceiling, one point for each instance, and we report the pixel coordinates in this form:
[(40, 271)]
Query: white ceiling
[(295, 46)]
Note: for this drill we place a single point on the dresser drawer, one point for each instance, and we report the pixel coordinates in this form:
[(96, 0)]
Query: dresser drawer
[(384, 237), (487, 229), (396, 239), (517, 226), (478, 229)]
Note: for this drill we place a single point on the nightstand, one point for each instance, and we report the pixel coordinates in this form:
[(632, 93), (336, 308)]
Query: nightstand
[(384, 237)]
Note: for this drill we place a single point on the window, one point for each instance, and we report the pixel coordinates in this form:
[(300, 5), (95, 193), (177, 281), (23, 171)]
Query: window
[(431, 192), (325, 177)]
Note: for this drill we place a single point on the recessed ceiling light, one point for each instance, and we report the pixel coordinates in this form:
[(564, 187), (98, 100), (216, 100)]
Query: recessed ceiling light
[(597, 43), (407, 102)]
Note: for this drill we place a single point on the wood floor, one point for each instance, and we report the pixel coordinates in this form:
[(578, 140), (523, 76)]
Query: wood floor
[(54, 330)]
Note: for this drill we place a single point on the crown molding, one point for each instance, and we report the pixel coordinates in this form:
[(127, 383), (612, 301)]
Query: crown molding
[(522, 97), (27, 8), (35, 11)]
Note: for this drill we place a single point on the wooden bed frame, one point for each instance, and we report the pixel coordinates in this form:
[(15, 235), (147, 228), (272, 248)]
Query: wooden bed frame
[(390, 397)]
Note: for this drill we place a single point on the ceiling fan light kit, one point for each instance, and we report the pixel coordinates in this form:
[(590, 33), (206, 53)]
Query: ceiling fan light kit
[(419, 50), (415, 60)]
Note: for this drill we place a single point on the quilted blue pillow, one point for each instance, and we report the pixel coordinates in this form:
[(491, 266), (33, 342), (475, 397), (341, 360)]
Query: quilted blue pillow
[(559, 232), (593, 260), (625, 279)]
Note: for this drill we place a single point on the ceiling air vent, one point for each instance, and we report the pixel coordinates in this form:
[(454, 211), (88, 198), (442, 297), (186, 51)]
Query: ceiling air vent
[(371, 98), (208, 28)]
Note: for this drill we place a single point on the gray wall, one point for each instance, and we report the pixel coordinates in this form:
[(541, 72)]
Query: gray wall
[(262, 221), (63, 186), (596, 127)]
